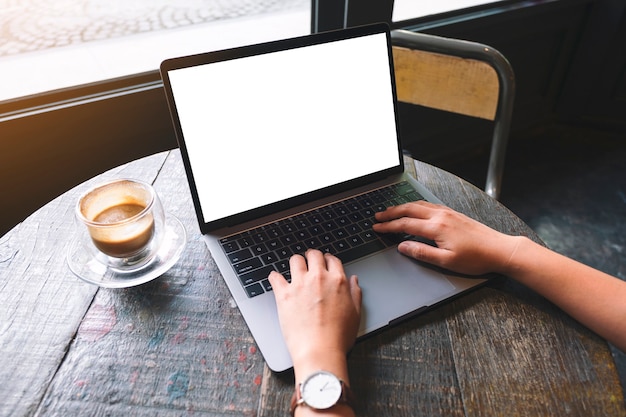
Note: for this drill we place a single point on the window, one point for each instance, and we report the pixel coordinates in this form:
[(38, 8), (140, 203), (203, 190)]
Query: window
[(49, 46), (411, 9), (54, 45)]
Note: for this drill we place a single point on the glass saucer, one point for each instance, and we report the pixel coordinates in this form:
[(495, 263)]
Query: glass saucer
[(89, 268)]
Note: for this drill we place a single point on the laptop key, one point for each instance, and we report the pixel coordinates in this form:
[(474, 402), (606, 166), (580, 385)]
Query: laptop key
[(284, 253), (301, 223), (316, 230), (327, 249), (302, 235), (313, 243), (344, 229), (268, 258), (355, 240), (298, 248), (259, 237), (245, 241), (339, 234), (378, 198), (352, 229), (366, 224), (415, 196), (343, 221), (256, 275), (259, 249), (404, 188), (273, 244), (368, 235), (266, 285), (248, 265), (282, 266), (360, 251), (254, 290), (230, 246), (329, 225), (288, 240), (327, 238), (341, 246), (239, 256), (316, 219)]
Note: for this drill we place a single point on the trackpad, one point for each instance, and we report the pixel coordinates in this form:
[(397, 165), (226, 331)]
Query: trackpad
[(394, 285)]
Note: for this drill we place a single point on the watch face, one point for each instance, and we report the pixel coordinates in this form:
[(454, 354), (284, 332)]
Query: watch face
[(321, 390)]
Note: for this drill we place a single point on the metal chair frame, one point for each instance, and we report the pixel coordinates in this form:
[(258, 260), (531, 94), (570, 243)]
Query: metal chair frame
[(466, 50)]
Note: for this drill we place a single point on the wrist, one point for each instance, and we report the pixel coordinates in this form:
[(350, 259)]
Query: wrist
[(506, 253), (334, 361)]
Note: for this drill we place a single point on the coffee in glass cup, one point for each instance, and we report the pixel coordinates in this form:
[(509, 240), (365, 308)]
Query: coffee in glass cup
[(124, 220)]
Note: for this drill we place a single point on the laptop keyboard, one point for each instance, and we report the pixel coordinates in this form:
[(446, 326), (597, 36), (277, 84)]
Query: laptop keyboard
[(343, 229)]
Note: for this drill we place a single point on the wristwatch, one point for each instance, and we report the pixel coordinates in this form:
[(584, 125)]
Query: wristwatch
[(321, 390)]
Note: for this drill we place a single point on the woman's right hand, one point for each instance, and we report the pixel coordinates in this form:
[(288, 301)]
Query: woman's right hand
[(464, 245)]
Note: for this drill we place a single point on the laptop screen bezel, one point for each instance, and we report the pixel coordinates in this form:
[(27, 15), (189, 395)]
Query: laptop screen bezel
[(263, 48)]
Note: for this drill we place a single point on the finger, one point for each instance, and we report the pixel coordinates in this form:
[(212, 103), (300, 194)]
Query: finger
[(315, 260), (412, 226), (333, 263), (297, 266), (423, 252), (401, 224), (418, 209), (356, 293), (277, 281)]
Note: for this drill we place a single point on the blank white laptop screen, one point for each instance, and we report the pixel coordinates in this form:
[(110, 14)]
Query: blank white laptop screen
[(290, 122)]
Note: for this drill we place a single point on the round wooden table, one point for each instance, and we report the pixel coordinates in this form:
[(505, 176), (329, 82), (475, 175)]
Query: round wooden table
[(178, 345)]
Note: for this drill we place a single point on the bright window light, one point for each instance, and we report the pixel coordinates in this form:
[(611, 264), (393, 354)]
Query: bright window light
[(49, 45), (411, 9)]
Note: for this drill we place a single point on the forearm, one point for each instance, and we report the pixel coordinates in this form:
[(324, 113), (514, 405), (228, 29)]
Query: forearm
[(319, 313), (322, 361), (595, 299), (463, 245)]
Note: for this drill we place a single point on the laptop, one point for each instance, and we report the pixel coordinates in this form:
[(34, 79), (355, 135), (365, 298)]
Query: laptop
[(294, 144)]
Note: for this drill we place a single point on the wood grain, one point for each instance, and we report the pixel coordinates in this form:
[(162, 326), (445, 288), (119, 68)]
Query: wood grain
[(42, 302), (179, 346), (445, 82), (515, 353)]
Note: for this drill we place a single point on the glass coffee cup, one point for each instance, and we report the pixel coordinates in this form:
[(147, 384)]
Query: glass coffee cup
[(122, 223)]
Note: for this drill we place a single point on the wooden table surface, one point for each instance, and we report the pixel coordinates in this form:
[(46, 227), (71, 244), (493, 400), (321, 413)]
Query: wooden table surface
[(178, 345)]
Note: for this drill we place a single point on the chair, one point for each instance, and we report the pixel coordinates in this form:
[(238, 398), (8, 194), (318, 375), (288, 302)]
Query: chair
[(462, 77)]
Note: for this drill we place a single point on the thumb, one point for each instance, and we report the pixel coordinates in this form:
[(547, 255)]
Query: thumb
[(355, 292), (277, 280), (421, 252)]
